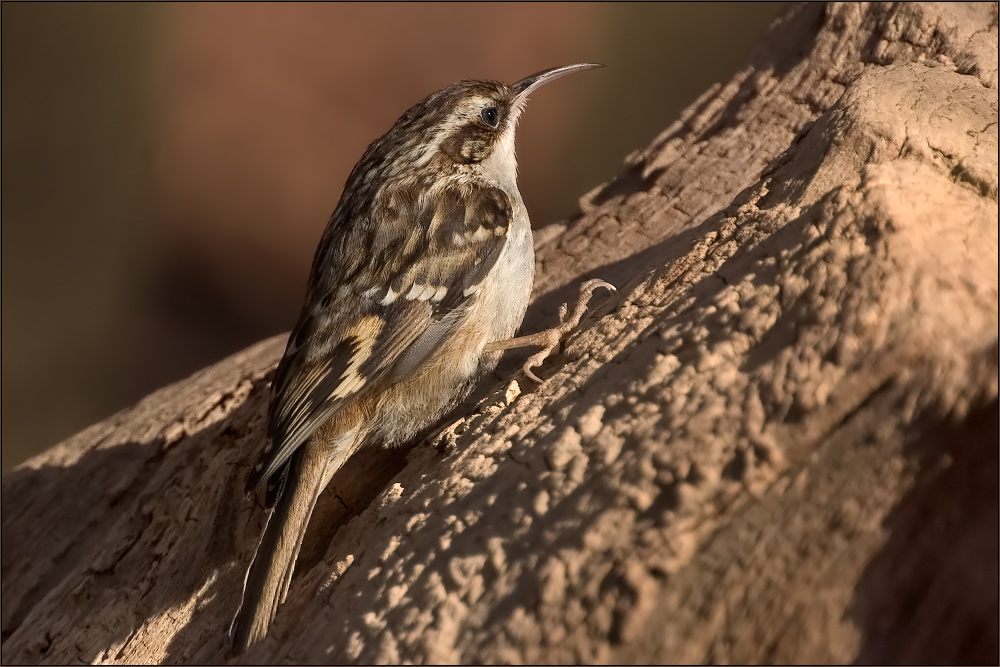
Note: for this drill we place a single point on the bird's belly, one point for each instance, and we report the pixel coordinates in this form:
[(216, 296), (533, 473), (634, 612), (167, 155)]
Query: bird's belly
[(449, 374), (504, 299)]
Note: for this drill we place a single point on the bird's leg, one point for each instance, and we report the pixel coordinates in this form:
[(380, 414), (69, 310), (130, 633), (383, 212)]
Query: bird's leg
[(549, 339)]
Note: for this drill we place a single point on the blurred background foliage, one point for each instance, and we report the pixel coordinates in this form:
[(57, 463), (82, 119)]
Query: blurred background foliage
[(168, 168)]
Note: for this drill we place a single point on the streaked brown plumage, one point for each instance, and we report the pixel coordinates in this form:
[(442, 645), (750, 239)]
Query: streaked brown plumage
[(422, 276)]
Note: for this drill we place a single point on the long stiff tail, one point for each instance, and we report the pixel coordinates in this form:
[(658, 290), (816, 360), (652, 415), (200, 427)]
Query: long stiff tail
[(270, 573), (310, 470)]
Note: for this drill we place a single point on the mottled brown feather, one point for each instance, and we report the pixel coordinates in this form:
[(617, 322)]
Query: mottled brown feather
[(356, 325)]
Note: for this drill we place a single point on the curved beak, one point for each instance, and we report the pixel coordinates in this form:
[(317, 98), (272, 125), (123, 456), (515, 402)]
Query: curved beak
[(528, 84)]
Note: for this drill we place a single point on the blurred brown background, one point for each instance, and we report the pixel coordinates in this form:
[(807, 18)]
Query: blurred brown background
[(168, 169)]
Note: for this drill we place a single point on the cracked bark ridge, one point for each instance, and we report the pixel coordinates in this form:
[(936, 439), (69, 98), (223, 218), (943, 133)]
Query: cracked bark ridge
[(776, 443)]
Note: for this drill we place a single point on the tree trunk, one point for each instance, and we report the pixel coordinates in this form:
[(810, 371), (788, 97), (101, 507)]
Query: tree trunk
[(776, 443)]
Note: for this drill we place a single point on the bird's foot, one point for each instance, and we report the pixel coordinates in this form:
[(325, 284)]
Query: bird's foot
[(550, 339)]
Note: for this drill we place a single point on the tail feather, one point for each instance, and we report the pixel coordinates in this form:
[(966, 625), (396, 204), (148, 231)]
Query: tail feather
[(270, 575)]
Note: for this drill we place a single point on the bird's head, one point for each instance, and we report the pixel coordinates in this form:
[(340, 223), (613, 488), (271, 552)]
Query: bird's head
[(467, 127)]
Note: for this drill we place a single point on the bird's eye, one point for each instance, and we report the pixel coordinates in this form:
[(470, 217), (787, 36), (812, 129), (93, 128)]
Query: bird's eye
[(490, 116)]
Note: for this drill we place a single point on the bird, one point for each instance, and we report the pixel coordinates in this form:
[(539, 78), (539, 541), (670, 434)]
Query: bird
[(420, 279)]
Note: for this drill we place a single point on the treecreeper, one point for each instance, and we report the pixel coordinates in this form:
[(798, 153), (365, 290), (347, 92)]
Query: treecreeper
[(420, 280)]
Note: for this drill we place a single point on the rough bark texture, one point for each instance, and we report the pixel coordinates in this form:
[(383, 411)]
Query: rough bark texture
[(777, 443)]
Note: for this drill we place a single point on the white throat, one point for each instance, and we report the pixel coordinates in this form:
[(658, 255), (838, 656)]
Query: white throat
[(501, 166)]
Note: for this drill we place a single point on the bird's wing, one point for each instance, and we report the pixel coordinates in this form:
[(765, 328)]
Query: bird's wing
[(384, 292)]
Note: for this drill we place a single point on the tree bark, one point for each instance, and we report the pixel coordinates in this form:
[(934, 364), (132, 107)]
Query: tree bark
[(776, 443)]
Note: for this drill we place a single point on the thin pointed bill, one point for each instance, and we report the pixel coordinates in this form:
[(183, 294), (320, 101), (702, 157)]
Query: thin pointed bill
[(527, 85)]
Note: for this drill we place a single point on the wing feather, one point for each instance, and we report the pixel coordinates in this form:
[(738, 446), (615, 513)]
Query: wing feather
[(366, 324)]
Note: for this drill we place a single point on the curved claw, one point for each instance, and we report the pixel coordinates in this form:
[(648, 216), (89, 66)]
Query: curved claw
[(551, 339), (534, 361)]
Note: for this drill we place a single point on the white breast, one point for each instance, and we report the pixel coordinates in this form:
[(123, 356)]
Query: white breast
[(447, 376)]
